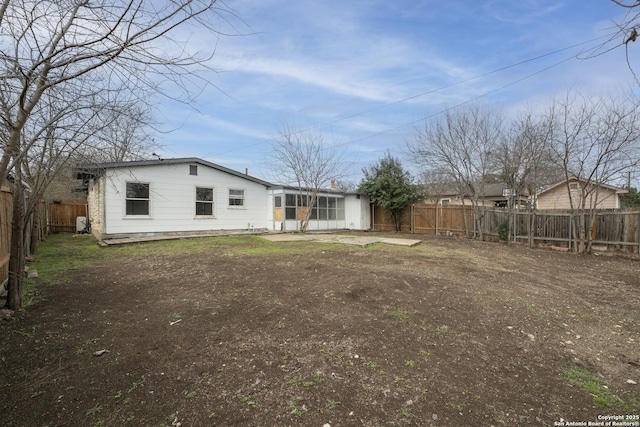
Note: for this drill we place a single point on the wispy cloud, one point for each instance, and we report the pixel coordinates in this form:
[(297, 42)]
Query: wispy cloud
[(344, 66)]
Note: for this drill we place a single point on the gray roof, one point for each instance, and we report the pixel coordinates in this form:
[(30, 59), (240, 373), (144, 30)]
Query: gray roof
[(95, 168), (322, 190)]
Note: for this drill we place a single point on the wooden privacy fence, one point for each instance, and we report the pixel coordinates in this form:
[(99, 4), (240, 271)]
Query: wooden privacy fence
[(424, 219), (617, 230), (61, 216), (55, 217)]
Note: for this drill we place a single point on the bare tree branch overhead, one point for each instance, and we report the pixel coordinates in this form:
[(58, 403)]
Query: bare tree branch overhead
[(76, 78), (304, 158), (83, 48)]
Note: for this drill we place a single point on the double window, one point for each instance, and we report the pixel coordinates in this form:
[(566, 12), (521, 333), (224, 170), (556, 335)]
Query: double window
[(137, 198), (236, 198), (204, 201)]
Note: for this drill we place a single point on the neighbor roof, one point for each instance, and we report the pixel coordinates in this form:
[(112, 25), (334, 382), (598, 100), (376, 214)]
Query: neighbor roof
[(492, 189), (95, 168), (610, 187)]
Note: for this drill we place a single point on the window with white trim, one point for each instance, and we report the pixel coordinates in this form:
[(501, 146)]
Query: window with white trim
[(236, 198), (137, 199), (204, 201)]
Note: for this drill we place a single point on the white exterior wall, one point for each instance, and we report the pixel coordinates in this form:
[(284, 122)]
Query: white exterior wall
[(357, 212), (173, 197)]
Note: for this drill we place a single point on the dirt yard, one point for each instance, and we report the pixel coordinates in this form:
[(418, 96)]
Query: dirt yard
[(238, 331)]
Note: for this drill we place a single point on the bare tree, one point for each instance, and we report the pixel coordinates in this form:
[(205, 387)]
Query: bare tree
[(523, 157), (53, 142), (69, 69), (127, 135), (625, 35), (459, 146), (524, 161), (303, 158), (82, 48), (596, 141)]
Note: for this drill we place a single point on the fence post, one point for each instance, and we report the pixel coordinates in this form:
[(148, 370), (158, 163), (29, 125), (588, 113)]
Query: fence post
[(373, 217), (411, 219), (438, 219), (638, 227), (570, 225), (475, 219)]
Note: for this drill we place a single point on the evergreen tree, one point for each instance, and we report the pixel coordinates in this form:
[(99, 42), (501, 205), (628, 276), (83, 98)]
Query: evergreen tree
[(631, 199), (390, 186)]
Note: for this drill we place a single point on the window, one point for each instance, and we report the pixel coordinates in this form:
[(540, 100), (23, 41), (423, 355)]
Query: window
[(290, 210), (332, 208), (193, 170), (340, 209), (322, 207), (204, 201), (137, 198), (290, 213), (574, 186), (445, 202), (236, 197)]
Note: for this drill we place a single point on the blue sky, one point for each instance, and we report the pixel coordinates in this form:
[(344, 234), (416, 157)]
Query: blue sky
[(365, 73)]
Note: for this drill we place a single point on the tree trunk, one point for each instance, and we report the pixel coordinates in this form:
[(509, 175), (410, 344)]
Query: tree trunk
[(465, 220), (35, 231), (579, 232), (532, 228), (16, 263), (304, 222), (397, 219), (591, 232)]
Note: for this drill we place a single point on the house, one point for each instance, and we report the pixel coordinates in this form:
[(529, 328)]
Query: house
[(598, 196), (496, 194), (191, 195)]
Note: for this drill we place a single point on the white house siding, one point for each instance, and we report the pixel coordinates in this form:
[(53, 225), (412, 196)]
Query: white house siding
[(173, 198), (357, 212)]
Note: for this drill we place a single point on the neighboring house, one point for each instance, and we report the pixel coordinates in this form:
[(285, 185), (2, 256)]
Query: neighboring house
[(495, 195), (191, 195), (557, 196)]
